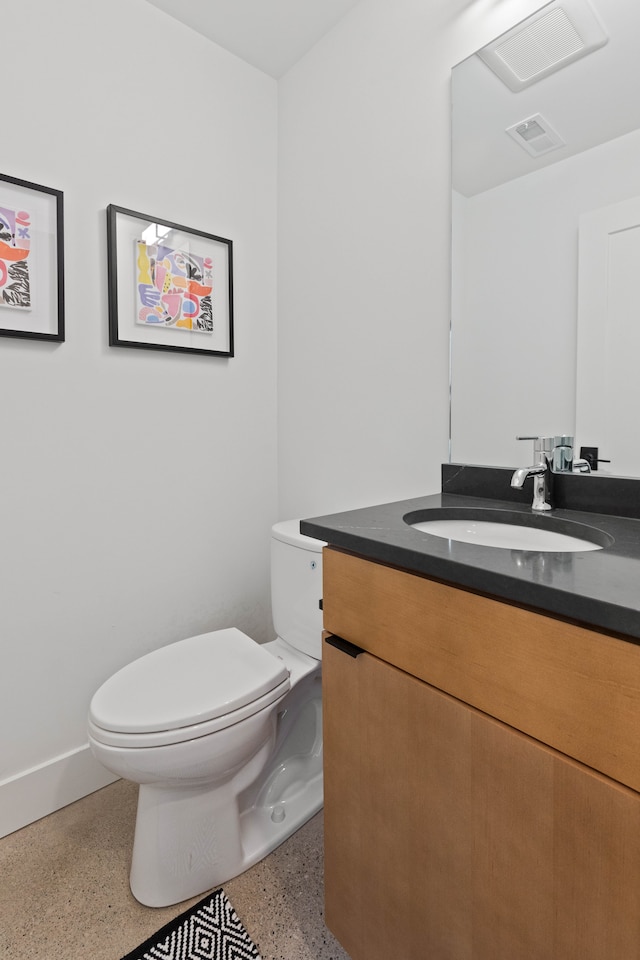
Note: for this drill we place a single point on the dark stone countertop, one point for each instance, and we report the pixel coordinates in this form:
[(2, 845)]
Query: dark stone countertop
[(599, 588)]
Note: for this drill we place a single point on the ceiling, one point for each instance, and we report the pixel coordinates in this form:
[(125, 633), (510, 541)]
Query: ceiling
[(272, 35), (588, 102)]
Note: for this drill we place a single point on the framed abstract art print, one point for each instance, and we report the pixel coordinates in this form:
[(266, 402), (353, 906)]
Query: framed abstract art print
[(170, 286), (31, 260)]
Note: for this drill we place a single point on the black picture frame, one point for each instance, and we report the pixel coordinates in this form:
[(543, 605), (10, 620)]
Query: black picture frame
[(31, 260), (163, 304)]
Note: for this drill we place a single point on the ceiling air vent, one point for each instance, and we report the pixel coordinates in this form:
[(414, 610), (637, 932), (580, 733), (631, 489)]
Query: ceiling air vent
[(560, 33), (535, 135)]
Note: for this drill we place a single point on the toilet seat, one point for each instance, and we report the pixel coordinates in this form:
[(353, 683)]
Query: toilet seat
[(167, 738), (187, 690)]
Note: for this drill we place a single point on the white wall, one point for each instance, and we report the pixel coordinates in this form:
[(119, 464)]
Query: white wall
[(364, 264), (137, 489), (516, 310)]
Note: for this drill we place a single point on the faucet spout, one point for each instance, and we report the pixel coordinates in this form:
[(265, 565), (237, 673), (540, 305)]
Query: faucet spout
[(521, 474), (546, 451), (541, 473)]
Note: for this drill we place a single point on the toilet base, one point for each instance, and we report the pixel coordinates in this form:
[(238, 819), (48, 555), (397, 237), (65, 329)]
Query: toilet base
[(203, 854), (191, 838)]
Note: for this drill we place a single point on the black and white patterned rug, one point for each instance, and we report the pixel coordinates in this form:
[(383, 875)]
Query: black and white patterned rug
[(210, 930)]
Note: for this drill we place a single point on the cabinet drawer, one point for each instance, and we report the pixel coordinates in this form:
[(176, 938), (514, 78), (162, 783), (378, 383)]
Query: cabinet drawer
[(570, 687)]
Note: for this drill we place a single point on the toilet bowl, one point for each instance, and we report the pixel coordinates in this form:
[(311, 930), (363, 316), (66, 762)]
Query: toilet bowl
[(223, 735)]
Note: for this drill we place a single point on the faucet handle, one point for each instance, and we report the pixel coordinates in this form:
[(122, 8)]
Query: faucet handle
[(542, 446), (544, 441)]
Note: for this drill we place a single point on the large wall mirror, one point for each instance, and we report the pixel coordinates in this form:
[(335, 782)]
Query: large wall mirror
[(546, 237)]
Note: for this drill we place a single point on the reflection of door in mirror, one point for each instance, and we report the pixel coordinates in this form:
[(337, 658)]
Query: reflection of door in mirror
[(608, 379), (515, 241)]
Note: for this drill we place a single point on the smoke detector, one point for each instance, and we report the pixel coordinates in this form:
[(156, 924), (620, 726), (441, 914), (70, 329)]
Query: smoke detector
[(535, 135), (560, 33)]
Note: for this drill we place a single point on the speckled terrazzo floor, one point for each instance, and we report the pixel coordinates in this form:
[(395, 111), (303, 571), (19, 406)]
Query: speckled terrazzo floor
[(64, 890)]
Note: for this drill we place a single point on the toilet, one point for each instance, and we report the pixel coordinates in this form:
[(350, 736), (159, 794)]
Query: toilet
[(224, 736)]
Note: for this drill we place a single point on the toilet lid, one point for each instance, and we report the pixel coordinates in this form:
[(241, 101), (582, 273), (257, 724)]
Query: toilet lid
[(187, 682)]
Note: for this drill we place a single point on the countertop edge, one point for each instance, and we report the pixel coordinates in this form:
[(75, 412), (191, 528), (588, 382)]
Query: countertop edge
[(379, 534)]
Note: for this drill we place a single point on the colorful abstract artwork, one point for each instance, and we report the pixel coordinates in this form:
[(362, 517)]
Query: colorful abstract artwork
[(165, 277), (173, 288), (15, 247)]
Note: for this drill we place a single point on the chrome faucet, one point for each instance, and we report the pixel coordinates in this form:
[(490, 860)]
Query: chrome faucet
[(551, 455), (543, 453)]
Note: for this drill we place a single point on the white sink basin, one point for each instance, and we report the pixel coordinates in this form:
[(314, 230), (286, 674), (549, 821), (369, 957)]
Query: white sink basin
[(510, 536)]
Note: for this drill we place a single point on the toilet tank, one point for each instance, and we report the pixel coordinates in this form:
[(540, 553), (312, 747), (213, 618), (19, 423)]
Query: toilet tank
[(296, 587)]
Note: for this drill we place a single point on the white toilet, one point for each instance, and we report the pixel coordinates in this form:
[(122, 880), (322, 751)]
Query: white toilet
[(224, 736)]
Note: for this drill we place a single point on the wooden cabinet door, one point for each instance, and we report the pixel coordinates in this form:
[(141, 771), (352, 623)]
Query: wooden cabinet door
[(451, 836)]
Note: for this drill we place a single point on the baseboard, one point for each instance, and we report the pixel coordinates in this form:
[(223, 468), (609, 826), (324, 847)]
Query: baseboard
[(41, 790)]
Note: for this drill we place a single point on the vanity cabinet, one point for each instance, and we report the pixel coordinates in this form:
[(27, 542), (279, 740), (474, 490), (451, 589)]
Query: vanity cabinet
[(481, 775)]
